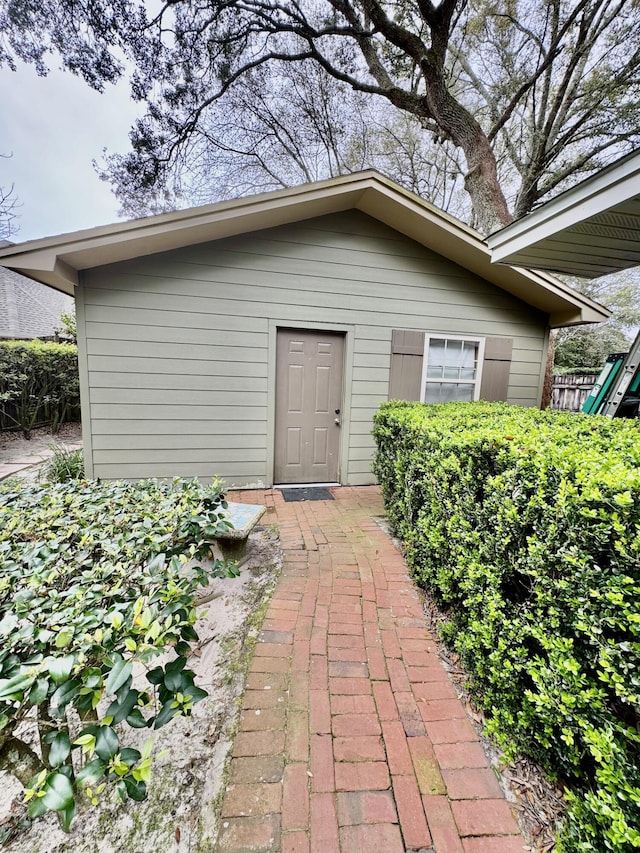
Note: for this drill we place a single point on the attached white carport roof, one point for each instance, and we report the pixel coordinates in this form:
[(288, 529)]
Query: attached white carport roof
[(590, 230), (58, 260)]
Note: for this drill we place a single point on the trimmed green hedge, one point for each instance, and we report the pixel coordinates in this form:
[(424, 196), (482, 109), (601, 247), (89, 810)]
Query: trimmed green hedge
[(38, 384), (525, 525)]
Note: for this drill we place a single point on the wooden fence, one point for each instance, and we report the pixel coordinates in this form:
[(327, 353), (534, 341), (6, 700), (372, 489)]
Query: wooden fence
[(570, 392)]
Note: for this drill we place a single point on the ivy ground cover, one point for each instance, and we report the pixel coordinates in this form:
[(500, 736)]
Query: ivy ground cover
[(525, 526), (96, 578)]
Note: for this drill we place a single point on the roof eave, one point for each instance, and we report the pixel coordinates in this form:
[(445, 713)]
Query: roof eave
[(57, 261), (542, 238)]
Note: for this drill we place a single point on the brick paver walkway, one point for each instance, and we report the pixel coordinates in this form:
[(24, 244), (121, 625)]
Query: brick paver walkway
[(351, 735)]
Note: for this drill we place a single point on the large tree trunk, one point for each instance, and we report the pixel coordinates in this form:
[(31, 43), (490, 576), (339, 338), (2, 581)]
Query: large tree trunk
[(490, 209), (547, 387)]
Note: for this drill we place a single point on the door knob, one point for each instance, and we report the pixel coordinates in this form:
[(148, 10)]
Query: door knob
[(337, 422)]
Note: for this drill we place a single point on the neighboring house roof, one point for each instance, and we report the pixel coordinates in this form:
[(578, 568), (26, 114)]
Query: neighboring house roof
[(590, 230), (29, 309), (58, 260)]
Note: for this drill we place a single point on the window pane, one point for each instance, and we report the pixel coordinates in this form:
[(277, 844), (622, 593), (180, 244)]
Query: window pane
[(432, 393), (448, 392), (451, 373), (469, 354), (436, 352), (464, 392), (453, 353), (434, 371), (467, 373)]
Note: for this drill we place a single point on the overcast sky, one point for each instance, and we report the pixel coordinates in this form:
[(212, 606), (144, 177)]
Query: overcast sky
[(55, 126)]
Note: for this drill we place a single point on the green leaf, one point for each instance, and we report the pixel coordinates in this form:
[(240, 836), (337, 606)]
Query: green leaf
[(8, 623), (58, 792), (130, 756), (196, 694), (63, 639), (136, 719), (156, 675), (120, 710), (188, 633), (39, 691), (60, 748), (173, 678), (14, 688), (66, 817), (60, 668), (157, 563), (63, 695), (91, 772), (92, 678), (107, 743), (147, 748), (137, 790), (167, 713), (37, 808), (119, 674)]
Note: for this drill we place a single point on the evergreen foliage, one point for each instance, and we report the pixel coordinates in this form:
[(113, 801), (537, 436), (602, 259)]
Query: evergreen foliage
[(96, 580), (525, 526), (39, 384)]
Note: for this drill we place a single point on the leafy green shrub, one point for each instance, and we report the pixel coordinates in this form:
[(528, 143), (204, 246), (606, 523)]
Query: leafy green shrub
[(68, 326), (577, 371), (38, 384), (526, 527), (63, 465), (94, 579)]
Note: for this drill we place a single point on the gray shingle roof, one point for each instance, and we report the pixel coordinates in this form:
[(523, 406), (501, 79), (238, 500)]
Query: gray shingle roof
[(29, 309)]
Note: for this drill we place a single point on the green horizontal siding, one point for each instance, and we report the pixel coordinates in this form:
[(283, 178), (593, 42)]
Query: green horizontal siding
[(177, 381), (169, 441), (178, 344), (230, 430)]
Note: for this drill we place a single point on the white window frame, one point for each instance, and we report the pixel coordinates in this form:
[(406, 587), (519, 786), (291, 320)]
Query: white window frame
[(473, 339)]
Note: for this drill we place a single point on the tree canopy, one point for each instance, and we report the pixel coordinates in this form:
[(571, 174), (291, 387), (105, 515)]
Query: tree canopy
[(8, 204), (587, 347), (8, 209), (526, 95)]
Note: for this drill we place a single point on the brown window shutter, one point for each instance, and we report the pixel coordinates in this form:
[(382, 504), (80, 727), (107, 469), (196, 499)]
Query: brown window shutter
[(495, 368), (407, 351)]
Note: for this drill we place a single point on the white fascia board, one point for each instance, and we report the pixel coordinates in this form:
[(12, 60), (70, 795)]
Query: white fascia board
[(599, 193)]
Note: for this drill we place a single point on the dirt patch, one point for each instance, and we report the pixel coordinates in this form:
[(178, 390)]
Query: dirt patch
[(13, 445), (181, 812)]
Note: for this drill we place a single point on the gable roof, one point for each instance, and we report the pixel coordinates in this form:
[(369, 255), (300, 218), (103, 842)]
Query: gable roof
[(29, 309), (58, 260), (590, 230)]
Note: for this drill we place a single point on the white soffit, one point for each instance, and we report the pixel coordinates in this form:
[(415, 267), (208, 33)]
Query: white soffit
[(58, 260), (590, 230)]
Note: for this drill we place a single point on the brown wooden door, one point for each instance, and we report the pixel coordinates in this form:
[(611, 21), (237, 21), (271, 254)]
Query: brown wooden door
[(309, 367)]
